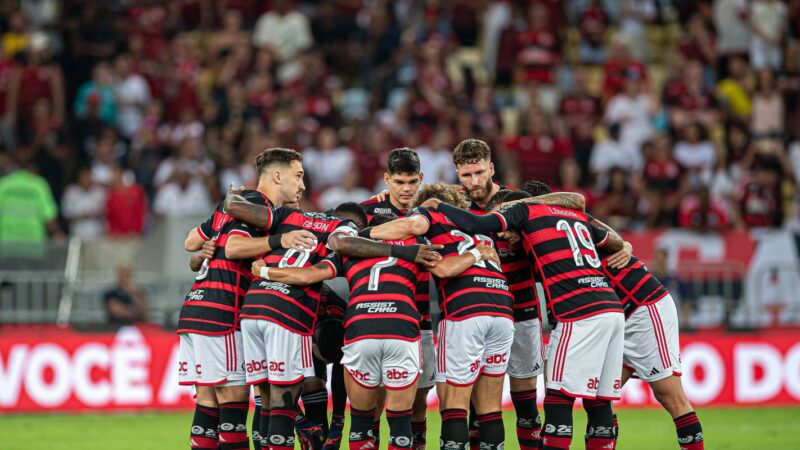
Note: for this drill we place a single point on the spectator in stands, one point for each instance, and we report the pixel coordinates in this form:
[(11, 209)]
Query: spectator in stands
[(285, 32), (614, 152), (581, 112), (733, 32), (768, 20), (592, 24), (125, 304), (536, 154), (189, 155), (569, 180), (634, 16), (758, 199), (83, 205), (768, 111), (701, 212), (735, 91), (696, 153), (126, 206), (633, 110), (28, 212), (348, 191), (17, 37), (688, 100), (619, 66), (617, 204), (662, 183), (38, 78), (436, 158), (132, 95), (538, 55), (328, 162), (697, 44), (98, 91), (184, 195)]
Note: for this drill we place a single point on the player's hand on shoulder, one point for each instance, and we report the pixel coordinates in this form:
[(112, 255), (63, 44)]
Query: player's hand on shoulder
[(300, 240), (256, 267), (621, 259), (427, 255), (512, 236), (488, 253), (382, 196), (209, 247), (431, 203), (232, 194)]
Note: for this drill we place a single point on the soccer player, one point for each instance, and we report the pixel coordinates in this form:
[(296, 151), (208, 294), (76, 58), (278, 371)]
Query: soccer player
[(403, 178), (584, 356), (475, 169), (278, 319), (210, 340), (381, 332), (476, 332), (526, 362)]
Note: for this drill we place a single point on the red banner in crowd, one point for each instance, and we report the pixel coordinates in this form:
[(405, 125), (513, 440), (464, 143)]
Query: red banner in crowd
[(135, 368)]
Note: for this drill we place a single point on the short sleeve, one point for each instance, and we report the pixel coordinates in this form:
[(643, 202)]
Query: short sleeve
[(513, 216), (420, 211), (347, 227), (243, 229), (599, 234), (335, 262), (276, 217), (206, 229)]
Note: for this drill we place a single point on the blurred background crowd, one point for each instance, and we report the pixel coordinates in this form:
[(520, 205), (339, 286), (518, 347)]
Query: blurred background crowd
[(663, 113)]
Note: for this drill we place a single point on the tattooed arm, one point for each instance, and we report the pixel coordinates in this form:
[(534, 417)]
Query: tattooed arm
[(569, 200), (358, 247), (238, 207)]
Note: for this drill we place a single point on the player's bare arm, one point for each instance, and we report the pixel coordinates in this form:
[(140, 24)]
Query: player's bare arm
[(243, 247), (621, 258), (238, 207), (206, 252), (453, 266), (613, 244), (469, 222), (358, 247), (401, 228), (194, 241), (569, 200), (296, 276)]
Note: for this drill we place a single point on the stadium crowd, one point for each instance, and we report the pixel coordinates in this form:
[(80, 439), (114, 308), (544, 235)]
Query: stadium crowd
[(663, 113)]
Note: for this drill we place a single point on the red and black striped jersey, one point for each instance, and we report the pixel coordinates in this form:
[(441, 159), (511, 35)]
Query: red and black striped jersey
[(561, 244), (293, 307), (373, 207), (482, 289), (332, 301), (634, 284), (475, 208), (382, 296), (212, 305), (519, 274)]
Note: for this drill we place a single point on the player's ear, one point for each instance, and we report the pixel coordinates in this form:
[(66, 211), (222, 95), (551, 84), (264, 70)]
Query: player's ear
[(421, 177), (491, 169), (276, 176), (386, 178)]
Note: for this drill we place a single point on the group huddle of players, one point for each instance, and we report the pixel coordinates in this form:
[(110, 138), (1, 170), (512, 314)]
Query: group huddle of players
[(282, 293)]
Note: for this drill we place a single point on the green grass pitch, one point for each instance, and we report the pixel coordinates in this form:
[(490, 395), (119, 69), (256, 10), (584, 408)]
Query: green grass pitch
[(641, 429)]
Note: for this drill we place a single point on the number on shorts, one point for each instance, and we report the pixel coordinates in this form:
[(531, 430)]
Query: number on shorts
[(302, 257), (375, 272), (468, 243), (580, 233)]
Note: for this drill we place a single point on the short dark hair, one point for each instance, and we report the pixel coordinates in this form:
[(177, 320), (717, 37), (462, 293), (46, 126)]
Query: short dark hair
[(536, 188), (380, 219), (447, 193), (329, 337), (506, 195), (352, 211), (403, 160), (471, 151), (277, 155)]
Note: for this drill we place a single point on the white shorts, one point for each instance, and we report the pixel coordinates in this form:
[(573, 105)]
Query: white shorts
[(393, 363), (428, 376), (274, 354), (211, 360), (471, 347), (527, 354), (584, 357), (652, 349)]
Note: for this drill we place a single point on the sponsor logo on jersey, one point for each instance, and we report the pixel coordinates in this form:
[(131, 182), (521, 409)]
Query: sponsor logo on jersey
[(283, 288), (382, 211), (196, 294), (563, 212), (492, 283), (595, 282), (377, 307)]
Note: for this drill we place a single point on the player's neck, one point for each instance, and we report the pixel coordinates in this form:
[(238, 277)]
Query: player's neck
[(271, 192), (396, 204)]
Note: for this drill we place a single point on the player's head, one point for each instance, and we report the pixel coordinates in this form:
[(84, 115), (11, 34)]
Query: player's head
[(280, 172), (402, 175), (352, 211), (505, 195), (536, 188), (474, 167), (447, 193), (380, 219), (329, 339)]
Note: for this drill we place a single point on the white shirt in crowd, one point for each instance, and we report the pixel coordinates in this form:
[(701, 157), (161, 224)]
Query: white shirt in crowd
[(336, 195), (328, 167), (77, 204), (769, 17), (133, 94), (633, 115), (436, 165), (733, 33), (609, 153), (173, 201)]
